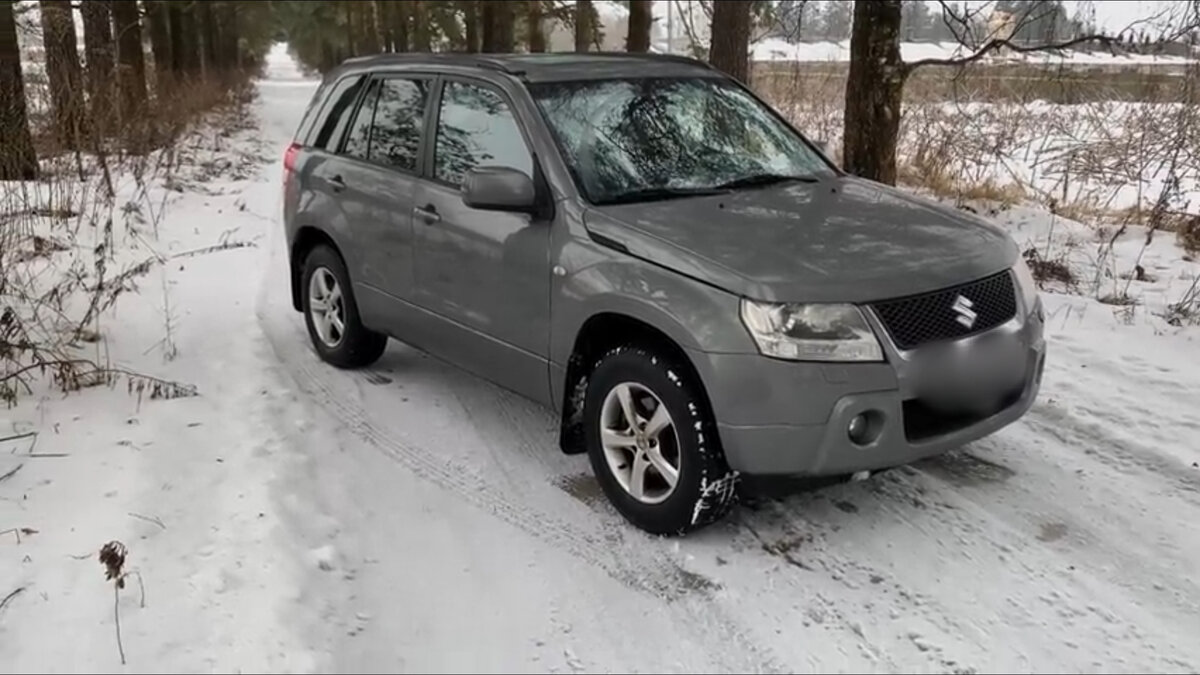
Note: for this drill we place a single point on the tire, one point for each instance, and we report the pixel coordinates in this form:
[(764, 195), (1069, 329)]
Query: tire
[(705, 488), (352, 346)]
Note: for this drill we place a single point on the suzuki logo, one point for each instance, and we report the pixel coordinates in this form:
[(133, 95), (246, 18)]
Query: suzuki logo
[(966, 315)]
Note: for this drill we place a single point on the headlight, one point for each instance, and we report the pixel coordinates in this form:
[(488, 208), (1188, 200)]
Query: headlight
[(811, 332), (1027, 284)]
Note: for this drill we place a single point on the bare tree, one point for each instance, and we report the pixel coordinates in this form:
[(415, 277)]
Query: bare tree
[(17, 158), (731, 37), (873, 91), (63, 70), (640, 19), (131, 64), (875, 85)]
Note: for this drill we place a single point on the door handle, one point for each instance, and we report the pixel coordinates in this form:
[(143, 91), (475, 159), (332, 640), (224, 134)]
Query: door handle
[(428, 213), (337, 183)]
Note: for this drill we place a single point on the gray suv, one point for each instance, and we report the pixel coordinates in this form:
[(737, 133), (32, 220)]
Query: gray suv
[(643, 245)]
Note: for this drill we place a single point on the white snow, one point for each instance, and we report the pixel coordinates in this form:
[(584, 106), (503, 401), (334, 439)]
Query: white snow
[(294, 517)]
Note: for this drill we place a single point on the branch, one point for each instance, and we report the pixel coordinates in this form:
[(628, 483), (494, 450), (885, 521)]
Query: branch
[(996, 44)]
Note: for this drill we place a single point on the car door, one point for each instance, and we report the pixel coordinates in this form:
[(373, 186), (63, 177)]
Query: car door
[(483, 275), (377, 180)]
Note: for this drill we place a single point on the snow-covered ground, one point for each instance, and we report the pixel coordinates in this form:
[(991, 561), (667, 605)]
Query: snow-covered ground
[(293, 517)]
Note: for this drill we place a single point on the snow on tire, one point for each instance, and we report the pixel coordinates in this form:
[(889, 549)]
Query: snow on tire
[(653, 444)]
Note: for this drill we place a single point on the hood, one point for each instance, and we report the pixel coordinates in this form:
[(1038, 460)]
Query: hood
[(840, 239)]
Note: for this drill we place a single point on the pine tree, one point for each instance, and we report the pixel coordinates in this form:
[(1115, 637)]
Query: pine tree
[(100, 54), (131, 65), (534, 12), (160, 37), (17, 158), (63, 71), (585, 22)]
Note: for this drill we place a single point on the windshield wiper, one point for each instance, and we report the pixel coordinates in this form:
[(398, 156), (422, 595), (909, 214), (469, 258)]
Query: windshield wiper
[(763, 179), (659, 193)]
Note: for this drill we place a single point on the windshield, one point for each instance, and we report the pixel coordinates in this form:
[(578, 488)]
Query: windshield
[(656, 138)]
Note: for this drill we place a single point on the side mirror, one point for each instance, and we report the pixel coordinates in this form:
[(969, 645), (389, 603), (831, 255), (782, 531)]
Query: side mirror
[(499, 188)]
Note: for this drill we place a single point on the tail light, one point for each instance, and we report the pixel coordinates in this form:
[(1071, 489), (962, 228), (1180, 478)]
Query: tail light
[(289, 160)]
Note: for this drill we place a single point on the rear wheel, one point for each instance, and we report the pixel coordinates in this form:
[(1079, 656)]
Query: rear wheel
[(331, 314), (652, 444)]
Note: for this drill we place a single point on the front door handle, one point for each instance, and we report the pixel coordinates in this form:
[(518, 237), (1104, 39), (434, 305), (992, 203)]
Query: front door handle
[(337, 183), (428, 213)]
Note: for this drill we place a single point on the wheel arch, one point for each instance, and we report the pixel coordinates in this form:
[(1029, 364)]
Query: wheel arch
[(306, 239), (600, 333)]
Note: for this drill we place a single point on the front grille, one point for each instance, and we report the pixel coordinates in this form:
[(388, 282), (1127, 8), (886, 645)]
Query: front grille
[(941, 315)]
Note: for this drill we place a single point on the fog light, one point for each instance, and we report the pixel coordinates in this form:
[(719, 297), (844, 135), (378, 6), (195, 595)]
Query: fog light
[(859, 426)]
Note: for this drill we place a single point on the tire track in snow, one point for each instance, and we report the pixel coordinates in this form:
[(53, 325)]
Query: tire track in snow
[(640, 565), (1075, 432)]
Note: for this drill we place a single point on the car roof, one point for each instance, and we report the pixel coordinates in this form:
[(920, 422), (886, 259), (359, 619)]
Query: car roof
[(543, 67)]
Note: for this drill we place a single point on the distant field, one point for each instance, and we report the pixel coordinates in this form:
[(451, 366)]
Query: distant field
[(1057, 83)]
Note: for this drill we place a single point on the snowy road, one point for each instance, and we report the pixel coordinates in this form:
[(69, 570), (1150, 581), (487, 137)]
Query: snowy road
[(465, 540), (411, 517)]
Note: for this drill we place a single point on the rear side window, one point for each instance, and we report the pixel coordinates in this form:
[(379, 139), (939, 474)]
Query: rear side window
[(359, 138), (337, 114), (399, 123)]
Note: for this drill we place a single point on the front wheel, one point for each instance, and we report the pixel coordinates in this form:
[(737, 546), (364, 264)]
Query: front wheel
[(653, 445)]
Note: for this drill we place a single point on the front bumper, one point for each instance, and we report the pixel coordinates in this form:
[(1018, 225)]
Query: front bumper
[(778, 417)]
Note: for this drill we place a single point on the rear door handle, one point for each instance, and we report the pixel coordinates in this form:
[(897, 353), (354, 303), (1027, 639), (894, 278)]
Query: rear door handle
[(428, 213), (337, 183)]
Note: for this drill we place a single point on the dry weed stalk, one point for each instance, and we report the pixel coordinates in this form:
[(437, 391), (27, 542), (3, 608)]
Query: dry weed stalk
[(112, 556), (63, 236)]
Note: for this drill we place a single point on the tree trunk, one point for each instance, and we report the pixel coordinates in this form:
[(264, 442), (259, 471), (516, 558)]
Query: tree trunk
[(63, 71), (731, 38), (471, 21), (537, 37), (17, 158), (205, 37), (487, 22), (188, 40), (383, 26), (160, 38), (179, 44), (368, 28), (131, 65), (420, 22), (400, 26), (585, 25), (874, 90), (225, 39), (640, 18), (502, 29), (100, 53)]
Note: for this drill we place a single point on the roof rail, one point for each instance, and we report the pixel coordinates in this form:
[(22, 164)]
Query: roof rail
[(678, 58), (461, 58)]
